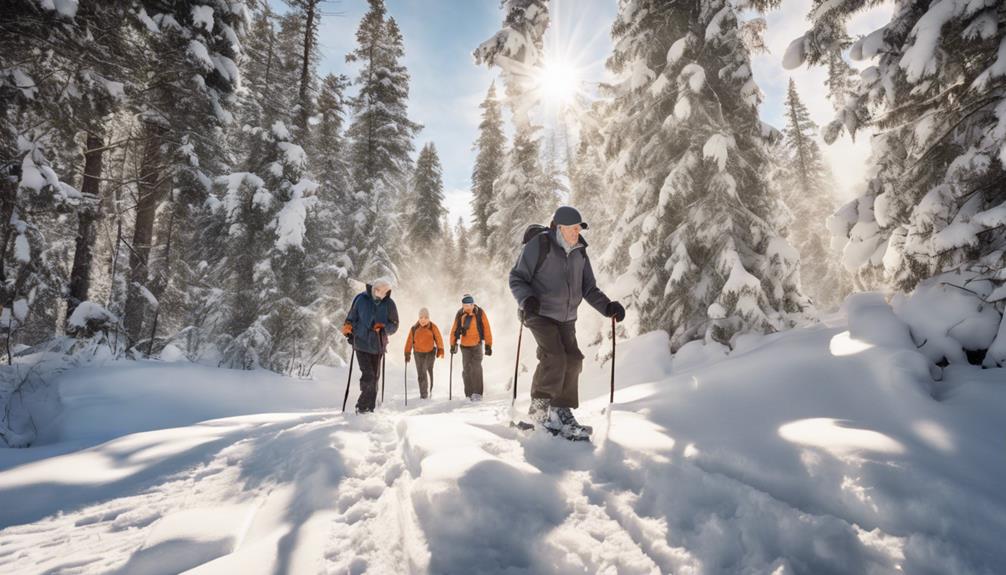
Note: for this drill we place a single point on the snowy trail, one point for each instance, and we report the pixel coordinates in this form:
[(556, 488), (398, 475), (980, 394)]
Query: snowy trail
[(834, 461), (320, 492)]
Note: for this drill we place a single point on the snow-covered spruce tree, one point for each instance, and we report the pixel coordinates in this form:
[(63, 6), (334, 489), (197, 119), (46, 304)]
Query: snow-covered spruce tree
[(328, 150), (381, 134), (309, 11), (806, 186), (490, 149), (425, 233), (522, 194), (588, 189), (698, 238), (268, 210), (936, 99), (461, 265), (61, 80), (328, 154), (555, 159), (267, 80), (181, 120)]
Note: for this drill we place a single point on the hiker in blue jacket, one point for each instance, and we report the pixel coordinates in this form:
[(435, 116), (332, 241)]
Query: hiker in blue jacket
[(550, 279), (371, 319)]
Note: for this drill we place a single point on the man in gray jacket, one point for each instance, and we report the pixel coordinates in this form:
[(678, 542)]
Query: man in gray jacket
[(550, 279)]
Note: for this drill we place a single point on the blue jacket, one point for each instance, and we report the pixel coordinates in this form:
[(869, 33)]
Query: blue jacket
[(367, 311), (562, 282)]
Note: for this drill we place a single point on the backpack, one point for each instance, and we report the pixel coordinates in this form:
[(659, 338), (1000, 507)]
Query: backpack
[(478, 324), (544, 244), (416, 326)]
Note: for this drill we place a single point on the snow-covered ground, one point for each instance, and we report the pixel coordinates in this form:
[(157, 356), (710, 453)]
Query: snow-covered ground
[(819, 450)]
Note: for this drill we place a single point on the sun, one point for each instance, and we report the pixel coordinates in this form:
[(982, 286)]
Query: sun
[(558, 82)]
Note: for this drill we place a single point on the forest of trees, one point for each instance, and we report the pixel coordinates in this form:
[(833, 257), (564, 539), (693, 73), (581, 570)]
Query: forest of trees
[(180, 174)]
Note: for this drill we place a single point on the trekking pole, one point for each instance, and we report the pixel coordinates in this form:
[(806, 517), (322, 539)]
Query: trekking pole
[(450, 380), (516, 365), (345, 398), (384, 354), (611, 399)]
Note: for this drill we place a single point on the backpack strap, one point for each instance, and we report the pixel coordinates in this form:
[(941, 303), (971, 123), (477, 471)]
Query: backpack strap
[(478, 324), (544, 245), (457, 322), (352, 305)]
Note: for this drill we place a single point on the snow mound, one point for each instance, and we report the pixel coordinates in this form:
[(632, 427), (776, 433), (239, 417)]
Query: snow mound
[(949, 316)]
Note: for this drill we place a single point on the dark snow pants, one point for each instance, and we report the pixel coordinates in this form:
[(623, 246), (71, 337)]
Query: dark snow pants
[(370, 373), (471, 369), (560, 361), (424, 367)]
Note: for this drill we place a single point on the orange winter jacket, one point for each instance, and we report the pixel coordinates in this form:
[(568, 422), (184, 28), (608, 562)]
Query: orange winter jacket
[(470, 338), (423, 339)]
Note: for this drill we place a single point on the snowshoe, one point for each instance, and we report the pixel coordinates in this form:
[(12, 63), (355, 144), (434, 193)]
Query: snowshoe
[(564, 431), (561, 423), (566, 416), (522, 425)]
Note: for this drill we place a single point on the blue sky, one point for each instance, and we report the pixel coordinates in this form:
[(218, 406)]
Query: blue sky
[(447, 86)]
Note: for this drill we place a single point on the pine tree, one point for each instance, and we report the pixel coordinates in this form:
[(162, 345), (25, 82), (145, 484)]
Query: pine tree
[(310, 12), (698, 235), (66, 73), (588, 189), (265, 79), (328, 149), (179, 121), (268, 211), (463, 255), (381, 135), (935, 98), (806, 186), (425, 232), (523, 193), (490, 146), (329, 243)]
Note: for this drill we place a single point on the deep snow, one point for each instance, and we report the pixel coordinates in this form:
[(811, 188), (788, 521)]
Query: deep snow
[(818, 450)]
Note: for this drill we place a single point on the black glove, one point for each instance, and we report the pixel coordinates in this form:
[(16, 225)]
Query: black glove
[(408, 357), (489, 349), (349, 338), (454, 349), (531, 305), (615, 310)]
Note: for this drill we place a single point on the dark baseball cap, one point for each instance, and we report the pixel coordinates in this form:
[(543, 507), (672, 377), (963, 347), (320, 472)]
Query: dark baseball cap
[(568, 216)]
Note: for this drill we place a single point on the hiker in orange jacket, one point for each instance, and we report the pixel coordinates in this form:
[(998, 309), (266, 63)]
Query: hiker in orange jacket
[(424, 339), (470, 329)]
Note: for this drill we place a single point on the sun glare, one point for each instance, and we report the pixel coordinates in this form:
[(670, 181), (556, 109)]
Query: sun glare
[(558, 82)]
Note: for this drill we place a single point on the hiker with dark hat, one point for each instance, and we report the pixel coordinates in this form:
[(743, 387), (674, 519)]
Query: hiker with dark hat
[(550, 279), (425, 343), (470, 330), (371, 319)]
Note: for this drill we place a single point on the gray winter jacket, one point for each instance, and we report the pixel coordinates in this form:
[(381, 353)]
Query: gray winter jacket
[(562, 282)]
